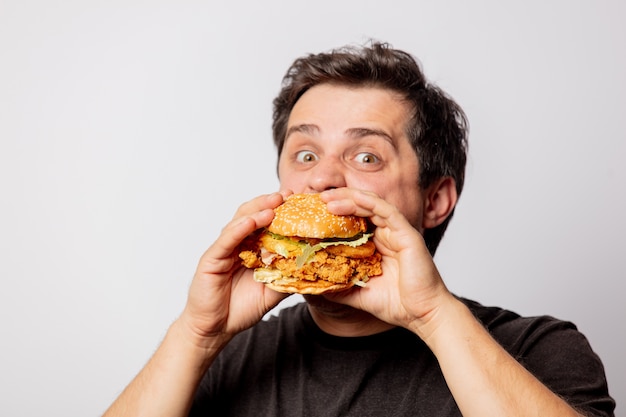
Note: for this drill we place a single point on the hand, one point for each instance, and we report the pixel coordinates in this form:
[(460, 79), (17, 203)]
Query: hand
[(223, 298), (410, 290)]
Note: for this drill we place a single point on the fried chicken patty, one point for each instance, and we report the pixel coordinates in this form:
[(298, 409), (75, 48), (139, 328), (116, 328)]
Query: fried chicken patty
[(339, 264)]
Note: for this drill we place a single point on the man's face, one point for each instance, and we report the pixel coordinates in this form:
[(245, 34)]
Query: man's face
[(339, 136)]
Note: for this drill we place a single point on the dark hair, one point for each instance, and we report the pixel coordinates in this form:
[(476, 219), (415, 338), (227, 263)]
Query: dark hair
[(438, 129)]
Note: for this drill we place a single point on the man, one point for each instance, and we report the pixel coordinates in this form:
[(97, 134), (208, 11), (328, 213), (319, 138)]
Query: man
[(364, 128)]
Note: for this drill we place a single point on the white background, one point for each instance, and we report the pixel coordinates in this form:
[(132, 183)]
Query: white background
[(131, 130)]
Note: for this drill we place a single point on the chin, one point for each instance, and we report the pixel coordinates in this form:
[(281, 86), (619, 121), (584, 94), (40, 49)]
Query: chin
[(328, 308)]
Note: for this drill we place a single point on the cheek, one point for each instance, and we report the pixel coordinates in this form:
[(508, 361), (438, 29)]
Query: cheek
[(291, 181), (375, 184), (403, 192), (283, 176), (393, 185), (287, 182)]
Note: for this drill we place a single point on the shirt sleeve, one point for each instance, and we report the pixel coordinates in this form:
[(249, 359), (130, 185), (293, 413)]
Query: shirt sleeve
[(561, 357)]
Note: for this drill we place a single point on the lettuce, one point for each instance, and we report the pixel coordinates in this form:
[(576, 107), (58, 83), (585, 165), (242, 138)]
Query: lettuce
[(308, 251)]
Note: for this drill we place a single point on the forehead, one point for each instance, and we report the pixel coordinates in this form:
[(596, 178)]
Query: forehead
[(328, 106)]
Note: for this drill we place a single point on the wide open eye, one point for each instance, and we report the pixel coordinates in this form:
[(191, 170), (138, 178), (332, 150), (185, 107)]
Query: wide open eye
[(306, 156), (366, 158)]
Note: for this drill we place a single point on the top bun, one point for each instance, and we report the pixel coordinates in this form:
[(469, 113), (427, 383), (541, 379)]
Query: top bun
[(306, 215)]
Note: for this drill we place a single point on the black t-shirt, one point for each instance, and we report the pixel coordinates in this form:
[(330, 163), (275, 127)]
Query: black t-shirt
[(287, 366)]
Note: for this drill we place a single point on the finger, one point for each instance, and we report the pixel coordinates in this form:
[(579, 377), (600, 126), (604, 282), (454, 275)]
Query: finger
[(364, 204), (286, 193), (260, 203), (219, 257), (250, 216)]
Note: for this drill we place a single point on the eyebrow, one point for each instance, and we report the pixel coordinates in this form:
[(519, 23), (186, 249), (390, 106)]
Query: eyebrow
[(356, 132), (360, 132), (307, 129)]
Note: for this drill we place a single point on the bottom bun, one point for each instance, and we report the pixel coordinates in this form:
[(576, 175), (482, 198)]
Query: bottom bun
[(297, 286), (307, 287)]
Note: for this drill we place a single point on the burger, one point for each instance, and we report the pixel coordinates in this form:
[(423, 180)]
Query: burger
[(308, 250)]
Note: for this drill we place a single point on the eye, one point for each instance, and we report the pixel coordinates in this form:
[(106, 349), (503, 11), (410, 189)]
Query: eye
[(367, 158), (306, 156)]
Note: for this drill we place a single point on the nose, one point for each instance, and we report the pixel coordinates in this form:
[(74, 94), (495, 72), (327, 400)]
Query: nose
[(328, 173)]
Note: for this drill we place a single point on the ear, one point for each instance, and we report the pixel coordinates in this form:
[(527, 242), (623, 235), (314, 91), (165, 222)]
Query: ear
[(440, 199)]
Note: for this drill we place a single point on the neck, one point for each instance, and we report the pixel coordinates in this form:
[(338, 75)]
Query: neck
[(340, 320)]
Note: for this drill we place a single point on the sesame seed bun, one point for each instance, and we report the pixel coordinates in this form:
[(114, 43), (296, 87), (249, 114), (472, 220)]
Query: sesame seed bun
[(306, 215)]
